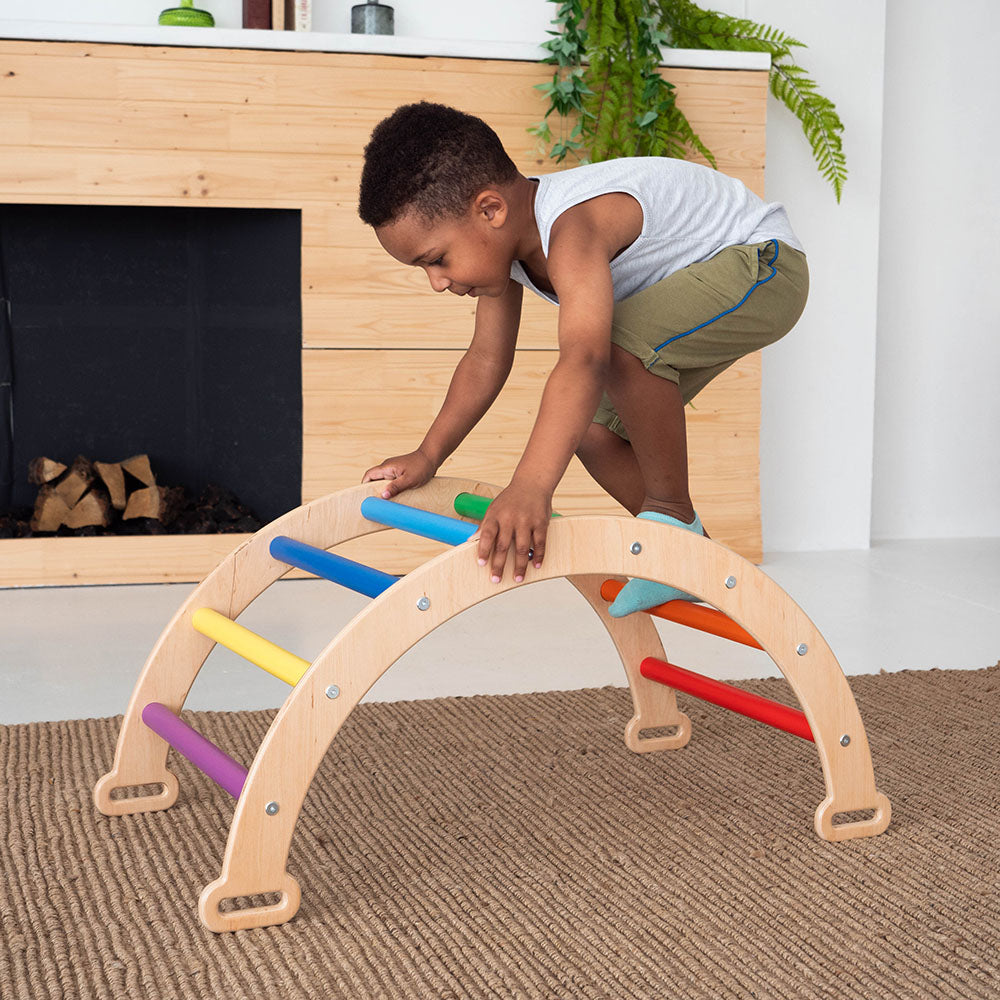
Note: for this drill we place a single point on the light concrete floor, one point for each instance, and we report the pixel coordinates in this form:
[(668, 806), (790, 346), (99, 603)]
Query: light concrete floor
[(75, 652)]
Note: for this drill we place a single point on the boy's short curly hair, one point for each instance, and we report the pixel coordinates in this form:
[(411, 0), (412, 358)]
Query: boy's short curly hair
[(430, 158)]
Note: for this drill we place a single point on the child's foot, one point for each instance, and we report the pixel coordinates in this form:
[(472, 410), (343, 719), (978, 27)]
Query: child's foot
[(639, 595)]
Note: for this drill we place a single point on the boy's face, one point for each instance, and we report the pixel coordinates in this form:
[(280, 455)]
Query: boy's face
[(465, 255)]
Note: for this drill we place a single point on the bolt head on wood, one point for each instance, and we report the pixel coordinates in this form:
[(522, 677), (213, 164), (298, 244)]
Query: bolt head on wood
[(635, 548), (802, 649), (271, 808)]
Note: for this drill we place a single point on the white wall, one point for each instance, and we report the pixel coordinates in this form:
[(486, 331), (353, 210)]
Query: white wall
[(909, 249), (937, 416), (819, 382)]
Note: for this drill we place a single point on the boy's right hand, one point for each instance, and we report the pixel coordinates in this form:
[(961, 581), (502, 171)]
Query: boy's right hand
[(401, 473)]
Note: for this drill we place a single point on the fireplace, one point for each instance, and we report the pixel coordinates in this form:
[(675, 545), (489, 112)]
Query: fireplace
[(171, 331)]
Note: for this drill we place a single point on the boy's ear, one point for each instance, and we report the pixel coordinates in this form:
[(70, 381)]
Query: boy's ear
[(491, 206)]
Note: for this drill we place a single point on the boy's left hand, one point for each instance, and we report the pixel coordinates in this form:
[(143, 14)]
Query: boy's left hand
[(517, 519)]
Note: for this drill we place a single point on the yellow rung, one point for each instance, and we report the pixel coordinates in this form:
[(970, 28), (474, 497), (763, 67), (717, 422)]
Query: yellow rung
[(284, 665)]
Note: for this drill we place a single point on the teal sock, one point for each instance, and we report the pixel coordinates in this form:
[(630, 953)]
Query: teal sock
[(638, 595)]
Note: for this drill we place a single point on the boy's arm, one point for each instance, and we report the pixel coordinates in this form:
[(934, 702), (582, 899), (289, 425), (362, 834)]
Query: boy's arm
[(475, 384), (578, 268)]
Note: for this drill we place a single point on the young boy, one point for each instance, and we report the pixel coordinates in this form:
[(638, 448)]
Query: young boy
[(665, 273)]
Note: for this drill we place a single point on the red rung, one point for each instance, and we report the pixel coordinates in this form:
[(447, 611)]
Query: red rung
[(693, 615), (771, 713)]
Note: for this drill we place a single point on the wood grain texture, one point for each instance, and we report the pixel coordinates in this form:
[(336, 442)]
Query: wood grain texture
[(92, 123)]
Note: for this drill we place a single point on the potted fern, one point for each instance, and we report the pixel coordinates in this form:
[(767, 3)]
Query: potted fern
[(610, 98)]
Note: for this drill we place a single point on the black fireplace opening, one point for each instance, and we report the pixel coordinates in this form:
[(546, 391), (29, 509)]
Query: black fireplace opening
[(172, 332)]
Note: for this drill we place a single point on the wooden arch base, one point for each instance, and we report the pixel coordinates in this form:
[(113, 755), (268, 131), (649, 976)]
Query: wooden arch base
[(584, 549)]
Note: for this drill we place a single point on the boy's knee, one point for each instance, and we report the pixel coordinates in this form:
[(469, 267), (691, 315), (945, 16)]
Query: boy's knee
[(589, 441), (597, 440)]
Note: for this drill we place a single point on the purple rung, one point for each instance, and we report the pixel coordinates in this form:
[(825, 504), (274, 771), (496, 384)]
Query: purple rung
[(202, 752)]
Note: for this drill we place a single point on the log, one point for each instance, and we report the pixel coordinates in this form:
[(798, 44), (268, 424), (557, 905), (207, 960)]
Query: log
[(113, 478), (103, 497), (50, 509), (138, 466), (156, 502), (76, 482), (92, 510), (44, 470)]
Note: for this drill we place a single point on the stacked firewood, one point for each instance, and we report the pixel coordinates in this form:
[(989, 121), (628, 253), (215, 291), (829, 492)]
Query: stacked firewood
[(85, 494), (116, 498)]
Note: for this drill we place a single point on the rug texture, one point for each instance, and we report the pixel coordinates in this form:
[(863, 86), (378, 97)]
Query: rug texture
[(513, 847)]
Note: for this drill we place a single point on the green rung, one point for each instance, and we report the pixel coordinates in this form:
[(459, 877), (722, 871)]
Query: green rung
[(470, 505)]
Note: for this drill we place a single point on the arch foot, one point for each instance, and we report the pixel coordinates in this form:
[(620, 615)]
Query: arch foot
[(130, 805), (869, 827), (638, 743), (215, 893)]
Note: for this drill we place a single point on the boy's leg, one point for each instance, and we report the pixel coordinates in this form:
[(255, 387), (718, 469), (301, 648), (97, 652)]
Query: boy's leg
[(612, 464), (652, 411), (612, 460), (648, 474), (669, 341)]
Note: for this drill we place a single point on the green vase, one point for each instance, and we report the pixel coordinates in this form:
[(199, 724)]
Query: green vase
[(187, 14)]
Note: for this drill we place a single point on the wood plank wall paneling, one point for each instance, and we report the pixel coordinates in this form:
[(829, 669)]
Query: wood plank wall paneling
[(360, 404), (121, 124)]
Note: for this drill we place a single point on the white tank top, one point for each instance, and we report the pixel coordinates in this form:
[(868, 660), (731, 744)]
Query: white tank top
[(689, 214)]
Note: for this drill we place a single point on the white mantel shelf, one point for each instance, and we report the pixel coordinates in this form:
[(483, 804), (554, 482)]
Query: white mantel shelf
[(309, 41)]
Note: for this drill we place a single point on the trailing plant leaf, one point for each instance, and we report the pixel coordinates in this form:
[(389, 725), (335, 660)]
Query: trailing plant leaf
[(689, 26), (820, 122), (607, 90), (568, 87), (611, 99)]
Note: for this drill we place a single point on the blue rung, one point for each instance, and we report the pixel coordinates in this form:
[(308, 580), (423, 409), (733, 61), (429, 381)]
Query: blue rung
[(354, 575), (417, 522)]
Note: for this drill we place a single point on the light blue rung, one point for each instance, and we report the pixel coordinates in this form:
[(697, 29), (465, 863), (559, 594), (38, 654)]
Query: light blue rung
[(348, 573), (417, 522)]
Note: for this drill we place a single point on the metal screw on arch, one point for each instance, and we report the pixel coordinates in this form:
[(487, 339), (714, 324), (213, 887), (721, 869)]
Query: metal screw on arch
[(635, 548), (802, 649), (333, 691), (730, 582), (271, 808)]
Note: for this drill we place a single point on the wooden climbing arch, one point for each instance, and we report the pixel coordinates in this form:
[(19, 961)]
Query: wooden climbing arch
[(587, 550)]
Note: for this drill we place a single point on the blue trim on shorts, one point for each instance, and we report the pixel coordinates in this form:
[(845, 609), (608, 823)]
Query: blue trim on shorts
[(753, 287)]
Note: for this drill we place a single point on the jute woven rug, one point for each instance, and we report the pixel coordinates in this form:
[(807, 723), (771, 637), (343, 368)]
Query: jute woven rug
[(513, 847)]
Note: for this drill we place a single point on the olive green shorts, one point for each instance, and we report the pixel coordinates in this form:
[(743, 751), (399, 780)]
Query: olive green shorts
[(696, 322)]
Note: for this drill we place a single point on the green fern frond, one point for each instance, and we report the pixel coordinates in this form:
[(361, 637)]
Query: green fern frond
[(688, 139), (608, 22), (688, 25), (820, 122), (608, 83), (610, 97)]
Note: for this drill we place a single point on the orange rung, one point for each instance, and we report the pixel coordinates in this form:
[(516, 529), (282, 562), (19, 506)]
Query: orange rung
[(693, 615)]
